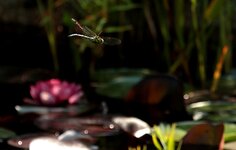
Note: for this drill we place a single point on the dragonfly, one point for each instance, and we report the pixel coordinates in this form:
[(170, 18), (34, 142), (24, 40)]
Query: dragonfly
[(92, 36)]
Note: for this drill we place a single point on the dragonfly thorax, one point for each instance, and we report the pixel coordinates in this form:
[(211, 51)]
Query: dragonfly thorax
[(98, 39)]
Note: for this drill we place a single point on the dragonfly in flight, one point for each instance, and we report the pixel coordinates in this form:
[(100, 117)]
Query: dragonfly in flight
[(92, 36)]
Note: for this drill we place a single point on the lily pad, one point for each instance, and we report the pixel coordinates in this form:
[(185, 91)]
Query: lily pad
[(183, 127), (209, 106), (116, 83), (6, 133), (230, 132), (216, 111), (118, 87), (107, 75)]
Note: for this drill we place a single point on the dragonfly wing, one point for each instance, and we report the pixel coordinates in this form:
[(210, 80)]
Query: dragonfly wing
[(84, 29), (111, 41), (88, 31)]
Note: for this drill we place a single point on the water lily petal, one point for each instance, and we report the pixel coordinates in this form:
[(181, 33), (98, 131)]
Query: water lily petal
[(54, 81), (75, 98), (47, 98), (55, 91), (34, 92)]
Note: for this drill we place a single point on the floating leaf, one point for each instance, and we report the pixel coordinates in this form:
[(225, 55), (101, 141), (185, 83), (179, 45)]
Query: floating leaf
[(5, 133), (205, 134)]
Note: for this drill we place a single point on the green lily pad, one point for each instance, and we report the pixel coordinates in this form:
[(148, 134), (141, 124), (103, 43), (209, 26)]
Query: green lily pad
[(216, 111), (118, 87), (210, 106), (107, 75), (230, 132), (116, 83), (5, 133)]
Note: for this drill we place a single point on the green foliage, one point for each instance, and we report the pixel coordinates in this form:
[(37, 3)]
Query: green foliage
[(163, 137), (189, 27), (48, 22)]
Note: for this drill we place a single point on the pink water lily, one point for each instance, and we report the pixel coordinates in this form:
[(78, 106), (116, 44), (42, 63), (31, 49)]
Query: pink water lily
[(55, 91)]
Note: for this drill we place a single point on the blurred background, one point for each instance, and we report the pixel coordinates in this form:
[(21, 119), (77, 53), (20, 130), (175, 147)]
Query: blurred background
[(187, 38), (190, 41)]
